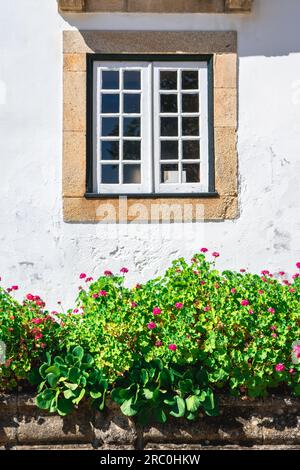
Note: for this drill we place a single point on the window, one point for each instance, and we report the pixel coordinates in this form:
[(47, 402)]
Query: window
[(150, 126)]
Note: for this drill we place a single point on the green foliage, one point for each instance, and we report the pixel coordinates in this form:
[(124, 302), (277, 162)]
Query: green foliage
[(152, 392), (66, 380)]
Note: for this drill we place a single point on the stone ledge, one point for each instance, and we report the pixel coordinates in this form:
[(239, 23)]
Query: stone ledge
[(156, 6), (272, 423)]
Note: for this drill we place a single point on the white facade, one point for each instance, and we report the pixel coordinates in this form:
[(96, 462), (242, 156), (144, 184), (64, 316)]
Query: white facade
[(43, 254)]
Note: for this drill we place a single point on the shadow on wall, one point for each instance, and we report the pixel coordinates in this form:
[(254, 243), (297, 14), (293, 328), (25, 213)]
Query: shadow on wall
[(272, 29)]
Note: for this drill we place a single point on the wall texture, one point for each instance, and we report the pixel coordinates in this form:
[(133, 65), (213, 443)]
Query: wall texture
[(43, 254), (256, 424)]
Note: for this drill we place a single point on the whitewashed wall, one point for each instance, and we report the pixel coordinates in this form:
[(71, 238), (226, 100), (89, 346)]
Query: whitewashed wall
[(43, 254)]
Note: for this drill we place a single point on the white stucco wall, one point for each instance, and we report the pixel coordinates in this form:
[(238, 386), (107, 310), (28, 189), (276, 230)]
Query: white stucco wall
[(43, 254)]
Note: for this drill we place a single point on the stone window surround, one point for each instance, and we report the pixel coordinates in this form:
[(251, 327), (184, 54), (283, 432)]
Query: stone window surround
[(152, 6), (223, 46)]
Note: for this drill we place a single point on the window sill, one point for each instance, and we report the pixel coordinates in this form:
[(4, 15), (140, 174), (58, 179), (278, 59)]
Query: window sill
[(152, 195)]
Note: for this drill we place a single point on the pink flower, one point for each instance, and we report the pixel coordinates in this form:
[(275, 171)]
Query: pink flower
[(30, 297), (9, 289), (286, 282), (280, 367), (292, 371), (133, 304), (207, 308), (14, 287), (95, 296), (88, 279), (179, 305), (43, 345), (281, 273), (271, 310), (264, 279), (204, 250), (215, 254), (138, 286), (123, 270), (37, 321), (75, 310), (38, 336), (296, 350), (295, 275), (156, 311), (273, 327), (298, 265), (292, 290), (242, 270), (251, 312), (82, 276), (261, 292), (151, 325), (102, 293), (172, 347), (244, 302), (274, 335), (202, 283), (108, 273), (158, 343), (12, 317), (265, 272), (217, 286), (233, 290)]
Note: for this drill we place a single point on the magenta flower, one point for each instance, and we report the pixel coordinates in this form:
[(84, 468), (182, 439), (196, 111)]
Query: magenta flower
[(107, 273), (296, 350), (280, 367), (133, 304), (265, 272), (38, 336), (273, 327), (295, 275), (75, 310), (281, 273), (204, 250), (102, 293), (292, 371), (30, 297), (156, 311), (138, 286), (14, 287), (251, 312), (95, 296), (286, 282), (274, 335), (233, 290), (158, 343), (271, 310), (260, 291), (207, 308), (151, 325), (89, 279), (242, 270), (179, 305), (215, 254), (172, 347), (298, 265), (37, 321), (292, 290), (82, 276), (244, 302), (202, 283), (123, 270)]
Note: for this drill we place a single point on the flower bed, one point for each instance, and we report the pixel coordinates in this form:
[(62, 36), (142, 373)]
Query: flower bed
[(162, 349)]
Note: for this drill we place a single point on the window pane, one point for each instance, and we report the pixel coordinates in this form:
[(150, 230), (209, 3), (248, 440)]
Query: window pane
[(169, 126), (190, 149), (169, 150), (131, 127), (190, 173), (110, 103), (169, 173), (168, 80), (168, 103), (132, 80), (190, 103), (110, 80), (110, 174), (189, 79), (132, 150), (132, 103), (110, 150), (132, 174), (110, 126), (190, 126)]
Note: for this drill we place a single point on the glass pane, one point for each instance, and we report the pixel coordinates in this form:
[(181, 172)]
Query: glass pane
[(110, 174), (132, 150), (169, 126), (190, 173), (190, 103), (132, 103), (190, 126), (132, 174), (169, 150), (189, 79), (132, 80), (168, 103), (110, 126), (110, 150), (169, 173), (190, 149), (110, 103), (110, 80), (168, 80), (131, 127)]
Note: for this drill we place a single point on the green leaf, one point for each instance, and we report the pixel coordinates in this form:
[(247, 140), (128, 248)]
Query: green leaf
[(160, 415), (192, 403), (80, 397), (179, 408), (34, 376), (64, 406), (52, 379), (144, 376), (44, 399), (71, 386), (68, 394), (42, 370), (53, 370), (127, 408), (74, 374), (78, 352), (96, 394), (148, 394)]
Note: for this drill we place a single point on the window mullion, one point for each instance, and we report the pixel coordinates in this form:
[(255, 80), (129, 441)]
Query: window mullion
[(179, 127), (121, 172)]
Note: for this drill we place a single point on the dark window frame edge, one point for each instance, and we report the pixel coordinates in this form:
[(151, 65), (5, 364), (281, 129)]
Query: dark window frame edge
[(94, 57)]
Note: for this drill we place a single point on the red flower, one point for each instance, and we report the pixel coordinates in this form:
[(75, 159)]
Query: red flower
[(281, 273), (138, 286), (242, 270), (265, 272), (204, 250), (172, 347), (158, 343), (207, 308), (271, 310), (233, 290), (298, 265), (133, 304), (14, 287), (102, 293), (108, 273), (215, 254), (244, 302), (38, 336), (30, 297), (82, 276), (123, 270), (88, 279), (179, 305), (156, 311), (151, 325)]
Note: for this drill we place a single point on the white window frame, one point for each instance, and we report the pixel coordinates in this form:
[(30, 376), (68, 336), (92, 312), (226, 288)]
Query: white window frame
[(150, 128)]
